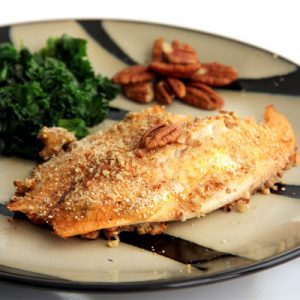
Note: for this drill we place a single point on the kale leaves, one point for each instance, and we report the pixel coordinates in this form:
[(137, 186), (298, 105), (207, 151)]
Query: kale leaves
[(56, 86)]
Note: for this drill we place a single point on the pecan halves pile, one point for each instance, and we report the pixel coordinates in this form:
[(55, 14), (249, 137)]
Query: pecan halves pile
[(175, 72)]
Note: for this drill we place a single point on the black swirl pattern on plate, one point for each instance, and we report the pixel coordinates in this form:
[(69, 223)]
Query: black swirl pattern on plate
[(96, 30), (4, 211), (4, 34), (178, 249), (287, 190)]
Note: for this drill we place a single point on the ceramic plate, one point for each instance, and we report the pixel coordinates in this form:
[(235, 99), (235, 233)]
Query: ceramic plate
[(199, 251)]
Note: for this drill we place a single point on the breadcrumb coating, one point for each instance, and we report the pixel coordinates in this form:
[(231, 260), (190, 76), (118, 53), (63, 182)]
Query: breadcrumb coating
[(106, 180)]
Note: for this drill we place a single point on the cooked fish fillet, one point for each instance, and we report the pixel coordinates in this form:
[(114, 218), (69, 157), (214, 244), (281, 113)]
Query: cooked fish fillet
[(107, 180)]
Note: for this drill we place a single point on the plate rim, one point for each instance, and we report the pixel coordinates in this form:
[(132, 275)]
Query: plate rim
[(137, 21), (152, 285), (158, 284)]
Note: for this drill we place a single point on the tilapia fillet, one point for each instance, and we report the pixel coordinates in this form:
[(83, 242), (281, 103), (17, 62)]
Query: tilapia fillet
[(108, 180)]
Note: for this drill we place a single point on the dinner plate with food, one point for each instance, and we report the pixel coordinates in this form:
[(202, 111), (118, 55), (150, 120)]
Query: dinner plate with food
[(141, 156)]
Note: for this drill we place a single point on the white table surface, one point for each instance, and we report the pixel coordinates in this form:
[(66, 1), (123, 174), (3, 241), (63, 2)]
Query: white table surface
[(273, 25)]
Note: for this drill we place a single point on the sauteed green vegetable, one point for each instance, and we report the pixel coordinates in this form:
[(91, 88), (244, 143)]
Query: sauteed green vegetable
[(56, 86)]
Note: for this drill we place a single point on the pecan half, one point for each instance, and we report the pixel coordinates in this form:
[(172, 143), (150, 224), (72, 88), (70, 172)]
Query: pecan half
[(174, 70), (162, 93), (133, 74), (174, 52), (165, 90), (202, 96), (157, 50), (179, 53), (177, 87), (215, 74), (159, 136), (141, 92)]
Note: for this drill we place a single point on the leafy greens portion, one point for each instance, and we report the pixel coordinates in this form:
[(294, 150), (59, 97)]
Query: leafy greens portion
[(56, 86)]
